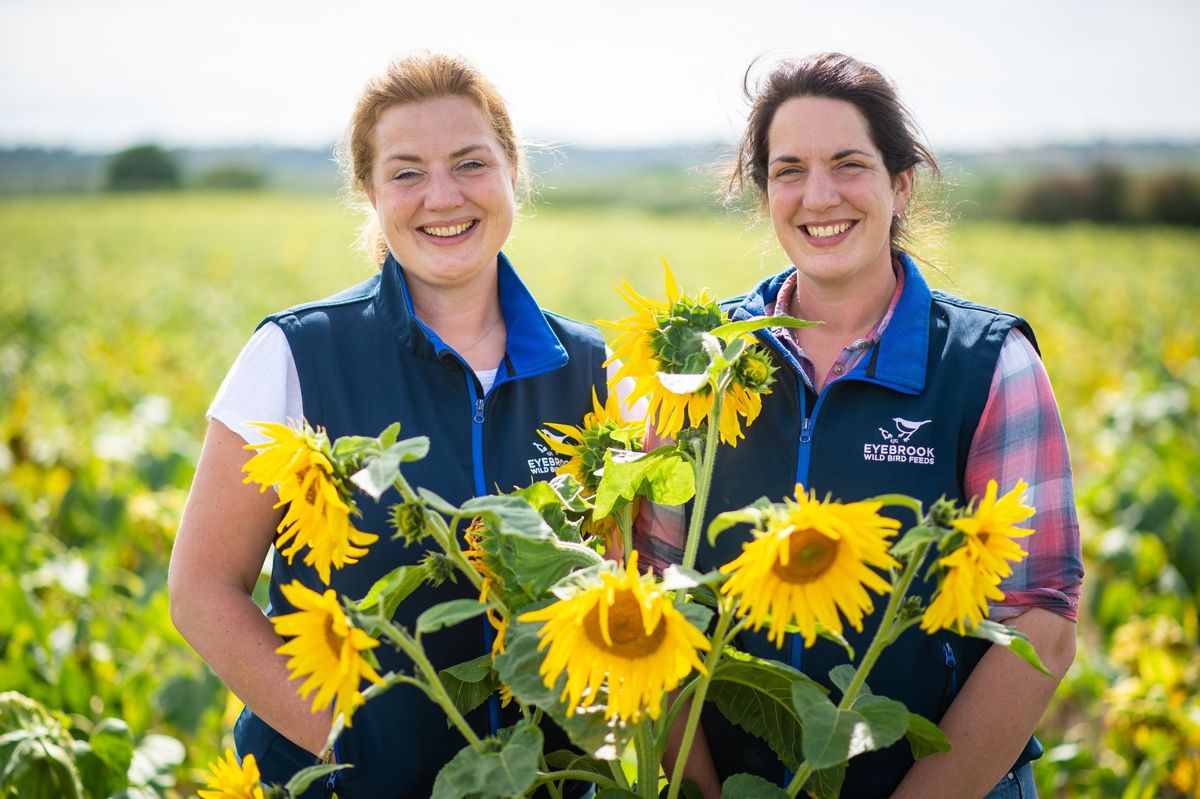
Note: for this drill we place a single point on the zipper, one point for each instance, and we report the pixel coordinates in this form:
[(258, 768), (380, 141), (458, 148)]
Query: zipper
[(951, 676)]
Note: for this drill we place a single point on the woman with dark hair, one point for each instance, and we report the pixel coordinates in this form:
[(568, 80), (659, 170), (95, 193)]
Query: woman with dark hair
[(444, 338), (952, 392)]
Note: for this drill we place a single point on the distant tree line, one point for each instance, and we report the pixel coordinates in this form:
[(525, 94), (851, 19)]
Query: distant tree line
[(1109, 194), (149, 167)]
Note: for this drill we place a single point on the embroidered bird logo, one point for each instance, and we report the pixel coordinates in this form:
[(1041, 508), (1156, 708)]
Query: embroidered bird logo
[(905, 428)]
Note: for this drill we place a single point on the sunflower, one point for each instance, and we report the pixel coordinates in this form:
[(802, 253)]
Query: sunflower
[(969, 574), (228, 780), (812, 560), (622, 632), (298, 461), (477, 556), (602, 429), (326, 648), (990, 529), (960, 601), (667, 337)]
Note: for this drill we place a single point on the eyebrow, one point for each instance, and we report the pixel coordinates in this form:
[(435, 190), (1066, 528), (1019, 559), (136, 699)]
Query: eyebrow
[(417, 159), (839, 155)]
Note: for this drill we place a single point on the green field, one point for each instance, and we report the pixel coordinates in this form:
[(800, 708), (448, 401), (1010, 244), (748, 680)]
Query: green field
[(120, 315)]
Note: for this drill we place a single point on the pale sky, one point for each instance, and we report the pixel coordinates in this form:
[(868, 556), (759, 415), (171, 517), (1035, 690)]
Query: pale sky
[(103, 74)]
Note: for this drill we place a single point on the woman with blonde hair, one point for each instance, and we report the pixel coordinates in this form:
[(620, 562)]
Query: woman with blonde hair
[(444, 338)]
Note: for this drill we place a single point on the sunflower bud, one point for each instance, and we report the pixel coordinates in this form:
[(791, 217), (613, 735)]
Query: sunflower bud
[(755, 371), (439, 568), (409, 520)]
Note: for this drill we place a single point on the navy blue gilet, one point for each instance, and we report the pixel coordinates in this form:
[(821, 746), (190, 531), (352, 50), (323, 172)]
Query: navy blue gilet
[(364, 361), (901, 421)]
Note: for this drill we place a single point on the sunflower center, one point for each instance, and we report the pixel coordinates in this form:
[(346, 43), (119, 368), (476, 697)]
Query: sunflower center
[(332, 639), (625, 629), (810, 554)]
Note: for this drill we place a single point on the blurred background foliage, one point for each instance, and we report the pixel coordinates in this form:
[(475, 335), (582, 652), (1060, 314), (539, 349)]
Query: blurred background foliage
[(121, 312)]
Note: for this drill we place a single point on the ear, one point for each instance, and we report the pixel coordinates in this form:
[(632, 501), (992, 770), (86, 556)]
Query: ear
[(902, 185)]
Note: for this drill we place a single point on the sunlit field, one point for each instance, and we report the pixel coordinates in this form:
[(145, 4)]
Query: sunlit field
[(120, 315)]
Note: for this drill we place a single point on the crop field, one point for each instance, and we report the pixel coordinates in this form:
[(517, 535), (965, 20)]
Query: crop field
[(119, 316)]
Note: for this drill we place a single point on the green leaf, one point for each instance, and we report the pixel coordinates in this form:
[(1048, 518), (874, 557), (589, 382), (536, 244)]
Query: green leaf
[(513, 514), (104, 766), (37, 766), (697, 615), (508, 772), (448, 614), (1012, 638), (752, 514), (392, 588), (155, 760), (915, 536), (587, 728), (305, 777), (382, 470), (731, 330), (830, 635), (529, 567), (434, 502), (567, 760), (826, 783), (924, 737), (662, 476), (833, 736), (750, 786), (842, 675), (756, 695), (470, 683), (389, 435)]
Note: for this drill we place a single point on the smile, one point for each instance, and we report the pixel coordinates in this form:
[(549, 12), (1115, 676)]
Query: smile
[(448, 231), (827, 231)]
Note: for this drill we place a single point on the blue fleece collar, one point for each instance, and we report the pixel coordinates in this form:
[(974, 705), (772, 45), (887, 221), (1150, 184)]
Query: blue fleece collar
[(903, 355), (532, 347)]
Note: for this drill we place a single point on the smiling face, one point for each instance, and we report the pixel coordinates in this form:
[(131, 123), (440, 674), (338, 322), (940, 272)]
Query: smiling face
[(829, 193), (443, 191)]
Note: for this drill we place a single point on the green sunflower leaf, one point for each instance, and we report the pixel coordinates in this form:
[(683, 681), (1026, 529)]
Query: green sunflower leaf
[(832, 735), (381, 470), (469, 683), (732, 330), (756, 695), (448, 614), (924, 737), (392, 588), (750, 786), (662, 476), (826, 783), (514, 515), (1011, 638), (508, 771)]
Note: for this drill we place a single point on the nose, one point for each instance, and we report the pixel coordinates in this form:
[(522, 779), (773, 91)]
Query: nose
[(820, 191), (443, 192)]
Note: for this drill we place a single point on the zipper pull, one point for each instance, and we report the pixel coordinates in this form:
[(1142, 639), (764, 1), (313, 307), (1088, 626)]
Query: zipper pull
[(478, 418), (805, 434)]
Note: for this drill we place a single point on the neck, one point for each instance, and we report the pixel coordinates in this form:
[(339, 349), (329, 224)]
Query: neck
[(847, 310), (468, 321)]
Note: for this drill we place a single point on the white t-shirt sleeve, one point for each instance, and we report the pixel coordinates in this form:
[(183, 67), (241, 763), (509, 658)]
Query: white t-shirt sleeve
[(261, 386)]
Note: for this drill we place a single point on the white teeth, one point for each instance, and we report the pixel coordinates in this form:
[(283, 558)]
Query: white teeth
[(446, 232), (825, 231)]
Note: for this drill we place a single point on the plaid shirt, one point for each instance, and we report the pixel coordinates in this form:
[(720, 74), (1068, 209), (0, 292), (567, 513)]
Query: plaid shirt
[(1020, 436)]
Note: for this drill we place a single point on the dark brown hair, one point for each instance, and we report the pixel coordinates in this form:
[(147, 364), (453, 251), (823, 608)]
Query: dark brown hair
[(839, 77)]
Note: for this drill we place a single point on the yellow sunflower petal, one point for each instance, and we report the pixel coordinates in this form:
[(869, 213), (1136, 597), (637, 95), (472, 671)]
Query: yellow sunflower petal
[(812, 565), (230, 780), (624, 634)]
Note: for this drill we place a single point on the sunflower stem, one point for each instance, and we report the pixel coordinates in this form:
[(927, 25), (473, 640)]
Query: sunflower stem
[(707, 460), (883, 636), (618, 774), (432, 685), (552, 778), (625, 523), (647, 760), (701, 691)]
